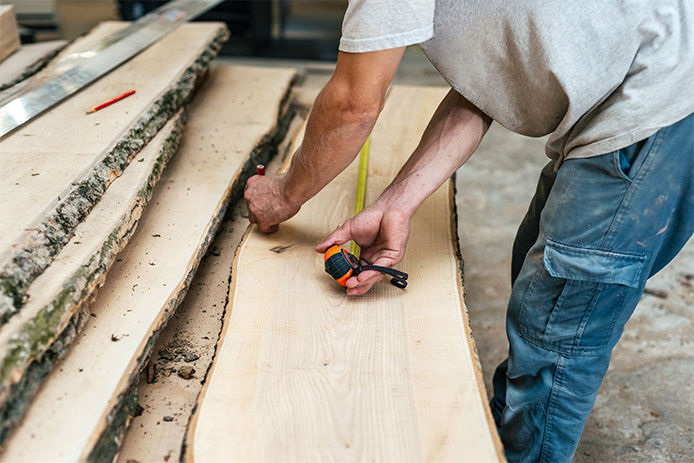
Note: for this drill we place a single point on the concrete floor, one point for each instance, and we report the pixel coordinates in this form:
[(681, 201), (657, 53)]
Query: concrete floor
[(645, 407)]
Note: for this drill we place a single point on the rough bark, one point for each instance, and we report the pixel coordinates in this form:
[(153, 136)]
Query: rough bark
[(42, 339), (109, 410), (38, 246), (116, 426)]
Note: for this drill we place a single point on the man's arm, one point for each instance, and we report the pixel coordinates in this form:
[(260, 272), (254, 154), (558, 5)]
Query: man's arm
[(382, 229), (342, 117)]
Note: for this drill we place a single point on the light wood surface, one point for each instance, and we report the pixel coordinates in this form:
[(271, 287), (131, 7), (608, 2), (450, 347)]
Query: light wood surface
[(64, 251), (56, 167), (27, 60), (193, 329), (51, 317), (305, 373), (9, 34), (232, 120)]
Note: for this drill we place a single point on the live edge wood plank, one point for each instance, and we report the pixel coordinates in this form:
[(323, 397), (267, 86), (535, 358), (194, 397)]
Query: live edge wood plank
[(53, 185), (305, 373), (83, 407), (57, 166), (192, 331), (33, 340)]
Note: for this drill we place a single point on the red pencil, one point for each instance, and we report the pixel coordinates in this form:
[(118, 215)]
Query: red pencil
[(110, 102)]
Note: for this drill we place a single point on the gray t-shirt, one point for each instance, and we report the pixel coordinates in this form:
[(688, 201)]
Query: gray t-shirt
[(598, 75)]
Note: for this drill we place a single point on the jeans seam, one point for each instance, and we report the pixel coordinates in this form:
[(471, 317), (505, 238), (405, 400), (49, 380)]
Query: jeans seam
[(549, 419), (584, 320), (618, 169), (521, 309), (556, 306), (619, 255), (576, 352), (608, 334)]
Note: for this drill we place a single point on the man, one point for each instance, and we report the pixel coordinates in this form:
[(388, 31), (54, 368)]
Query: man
[(612, 81)]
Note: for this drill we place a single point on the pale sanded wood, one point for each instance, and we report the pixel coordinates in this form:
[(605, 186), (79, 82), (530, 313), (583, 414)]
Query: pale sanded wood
[(9, 34), (235, 121), (33, 340), (193, 329), (27, 61), (305, 373), (57, 166)]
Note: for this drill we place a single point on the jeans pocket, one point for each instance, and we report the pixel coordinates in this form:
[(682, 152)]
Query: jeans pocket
[(627, 162), (572, 304)]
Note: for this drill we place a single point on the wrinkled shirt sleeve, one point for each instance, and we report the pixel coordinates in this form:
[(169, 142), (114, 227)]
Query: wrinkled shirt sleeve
[(372, 25)]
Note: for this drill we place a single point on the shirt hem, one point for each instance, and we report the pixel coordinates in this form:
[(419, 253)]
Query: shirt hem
[(617, 142)]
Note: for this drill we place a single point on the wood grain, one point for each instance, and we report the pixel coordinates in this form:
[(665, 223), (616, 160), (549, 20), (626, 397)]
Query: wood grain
[(33, 340), (81, 411), (193, 329), (57, 166), (305, 373)]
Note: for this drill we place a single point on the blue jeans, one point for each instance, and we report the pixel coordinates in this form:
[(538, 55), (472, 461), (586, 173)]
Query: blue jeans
[(595, 232)]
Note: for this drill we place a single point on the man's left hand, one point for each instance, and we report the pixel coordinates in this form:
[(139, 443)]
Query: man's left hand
[(382, 234)]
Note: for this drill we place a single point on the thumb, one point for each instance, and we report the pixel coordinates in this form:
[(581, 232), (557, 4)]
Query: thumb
[(339, 236)]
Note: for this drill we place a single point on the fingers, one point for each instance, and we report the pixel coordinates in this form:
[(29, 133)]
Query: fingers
[(262, 228), (262, 202), (247, 188), (363, 282), (339, 236), (268, 228)]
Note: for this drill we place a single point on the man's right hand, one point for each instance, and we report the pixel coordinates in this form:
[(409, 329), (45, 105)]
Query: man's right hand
[(268, 204), (382, 235)]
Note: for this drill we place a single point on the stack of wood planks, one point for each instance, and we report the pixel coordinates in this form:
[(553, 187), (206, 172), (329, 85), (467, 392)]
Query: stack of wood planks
[(106, 219)]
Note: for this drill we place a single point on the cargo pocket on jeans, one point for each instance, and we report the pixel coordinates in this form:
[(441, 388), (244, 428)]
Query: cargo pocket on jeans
[(574, 307)]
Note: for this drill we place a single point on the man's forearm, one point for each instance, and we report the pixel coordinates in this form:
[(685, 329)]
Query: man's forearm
[(334, 135), (449, 140), (341, 119)]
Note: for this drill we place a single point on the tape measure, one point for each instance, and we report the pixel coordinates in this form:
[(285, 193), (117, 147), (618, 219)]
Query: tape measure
[(341, 265)]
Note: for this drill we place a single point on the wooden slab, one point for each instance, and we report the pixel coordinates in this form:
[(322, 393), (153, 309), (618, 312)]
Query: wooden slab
[(235, 121), (33, 340), (189, 339), (58, 165), (27, 61), (305, 373), (9, 34)]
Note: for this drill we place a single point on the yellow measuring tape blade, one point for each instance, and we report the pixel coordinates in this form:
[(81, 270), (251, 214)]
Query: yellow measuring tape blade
[(361, 187)]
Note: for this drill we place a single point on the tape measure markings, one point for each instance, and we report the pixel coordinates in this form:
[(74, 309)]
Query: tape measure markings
[(361, 187)]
